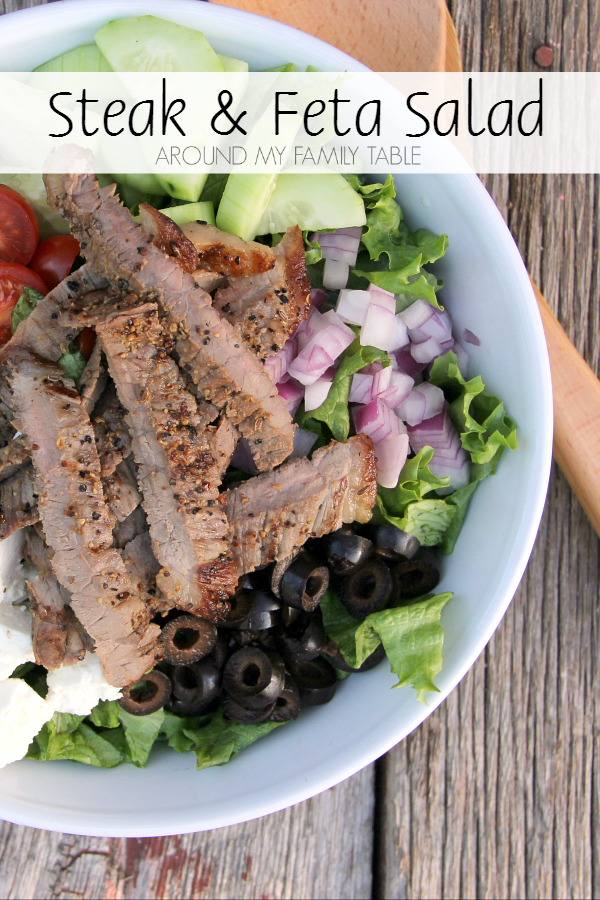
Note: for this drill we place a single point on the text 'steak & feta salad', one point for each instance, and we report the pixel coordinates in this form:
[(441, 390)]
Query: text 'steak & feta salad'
[(237, 430)]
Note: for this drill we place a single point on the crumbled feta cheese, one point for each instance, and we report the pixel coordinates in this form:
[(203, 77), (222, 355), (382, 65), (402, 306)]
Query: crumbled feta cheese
[(15, 638), (22, 714), (77, 689)]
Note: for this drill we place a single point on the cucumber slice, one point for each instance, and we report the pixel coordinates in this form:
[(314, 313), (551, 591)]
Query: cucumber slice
[(244, 201), (314, 202), (286, 67), (191, 212), (149, 44), (233, 65), (85, 58), (143, 182)]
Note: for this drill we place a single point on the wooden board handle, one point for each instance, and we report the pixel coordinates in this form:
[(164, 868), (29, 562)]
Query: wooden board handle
[(576, 415)]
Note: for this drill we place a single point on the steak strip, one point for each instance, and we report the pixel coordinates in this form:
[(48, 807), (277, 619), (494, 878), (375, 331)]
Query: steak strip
[(75, 518), (56, 634), (273, 514), (226, 373), (179, 470)]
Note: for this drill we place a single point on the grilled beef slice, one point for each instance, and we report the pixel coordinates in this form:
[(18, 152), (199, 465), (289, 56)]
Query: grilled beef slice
[(121, 490), (266, 308), (179, 466), (225, 372), (93, 379), (273, 514), (110, 431), (18, 501), (56, 633), (75, 518)]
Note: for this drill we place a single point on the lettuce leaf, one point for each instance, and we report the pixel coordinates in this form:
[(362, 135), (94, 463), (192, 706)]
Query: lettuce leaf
[(106, 714), (72, 362), (394, 255), (411, 635), (140, 734), (68, 737), (221, 740), (334, 411)]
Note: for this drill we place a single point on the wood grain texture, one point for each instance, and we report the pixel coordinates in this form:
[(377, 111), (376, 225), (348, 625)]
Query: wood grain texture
[(497, 793), (405, 35)]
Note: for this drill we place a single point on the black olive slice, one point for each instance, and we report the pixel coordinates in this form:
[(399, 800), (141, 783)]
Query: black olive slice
[(232, 710), (241, 604), (332, 651), (346, 551), (265, 612), (414, 578), (220, 652), (197, 686), (316, 680), (147, 695), (304, 583), (289, 614), (278, 572), (253, 677), (287, 705), (393, 544), (366, 589), (187, 639), (303, 639)]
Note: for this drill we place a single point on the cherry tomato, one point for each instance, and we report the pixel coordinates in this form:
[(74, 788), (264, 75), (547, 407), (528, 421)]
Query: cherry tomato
[(13, 278), (54, 258), (85, 341), (19, 230)]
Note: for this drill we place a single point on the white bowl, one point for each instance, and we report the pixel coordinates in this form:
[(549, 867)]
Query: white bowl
[(487, 290)]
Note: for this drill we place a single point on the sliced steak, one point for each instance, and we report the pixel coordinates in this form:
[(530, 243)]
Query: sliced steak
[(36, 550), (75, 517), (13, 455), (110, 431), (129, 528), (266, 308), (179, 466), (121, 490), (273, 514), (56, 633), (226, 373), (93, 379), (18, 501)]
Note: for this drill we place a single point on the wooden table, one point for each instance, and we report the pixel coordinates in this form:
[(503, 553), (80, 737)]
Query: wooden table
[(497, 794)]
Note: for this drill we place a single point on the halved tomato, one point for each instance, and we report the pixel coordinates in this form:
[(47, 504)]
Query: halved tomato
[(54, 258), (19, 230), (13, 278)]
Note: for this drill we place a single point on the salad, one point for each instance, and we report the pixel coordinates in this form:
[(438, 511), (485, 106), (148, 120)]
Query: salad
[(238, 432)]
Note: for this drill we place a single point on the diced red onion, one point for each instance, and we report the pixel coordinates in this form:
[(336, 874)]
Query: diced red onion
[(400, 338), (242, 458), (407, 364), (352, 306), (379, 297), (372, 369), (332, 318), (379, 328), (391, 454), (470, 338), (415, 315), (422, 403), (291, 394), (340, 245), (316, 394), (399, 388), (451, 461), (434, 399), (382, 380), (447, 345), (462, 358), (277, 364), (335, 275), (425, 352), (318, 297), (376, 420), (438, 326), (361, 389), (303, 443), (319, 353)]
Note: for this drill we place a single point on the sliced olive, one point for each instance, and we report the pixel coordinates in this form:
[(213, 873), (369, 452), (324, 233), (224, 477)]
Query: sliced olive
[(332, 651), (220, 652), (194, 688), (147, 695), (289, 614), (304, 583), (393, 544), (232, 710), (264, 613), (241, 604), (253, 677), (366, 589), (303, 639), (278, 572), (287, 705), (316, 680), (414, 578), (187, 639), (346, 551)]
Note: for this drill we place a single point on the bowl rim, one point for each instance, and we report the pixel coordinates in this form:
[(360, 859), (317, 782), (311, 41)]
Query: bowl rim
[(184, 821)]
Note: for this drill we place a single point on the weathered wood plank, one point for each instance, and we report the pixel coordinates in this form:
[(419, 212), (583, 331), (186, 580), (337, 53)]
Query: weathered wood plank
[(496, 795)]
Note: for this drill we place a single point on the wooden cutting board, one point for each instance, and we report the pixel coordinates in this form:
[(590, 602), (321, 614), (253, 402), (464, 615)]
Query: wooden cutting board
[(419, 36)]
